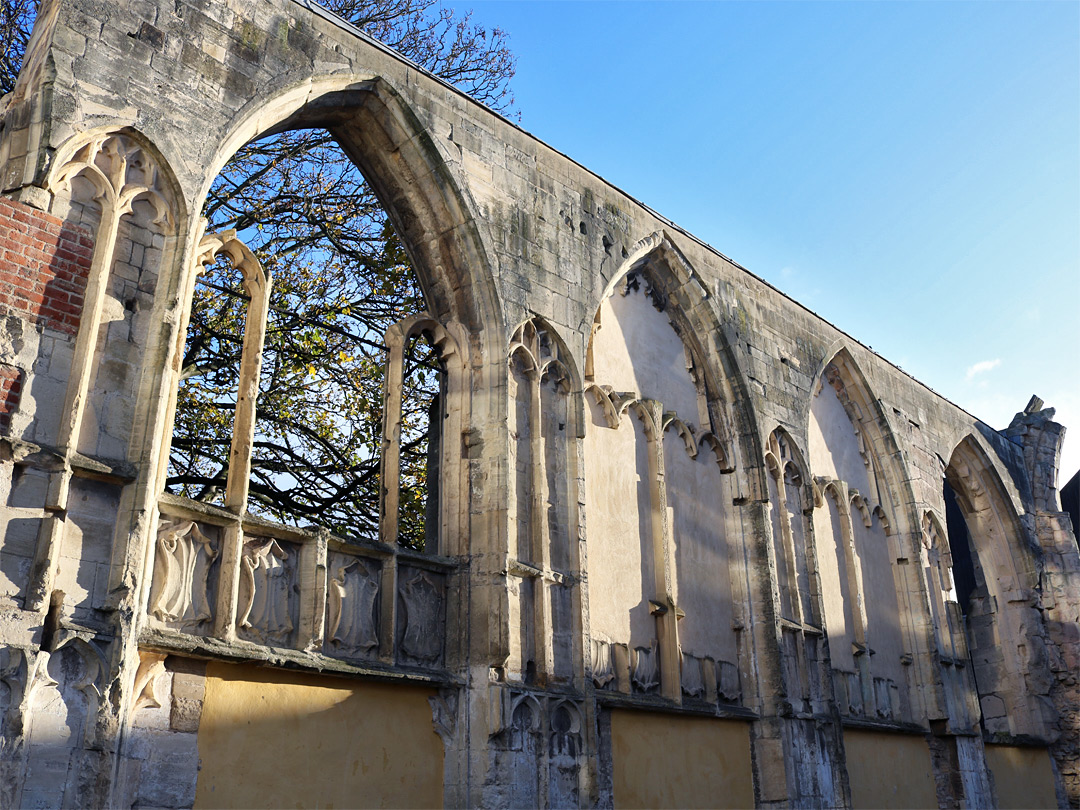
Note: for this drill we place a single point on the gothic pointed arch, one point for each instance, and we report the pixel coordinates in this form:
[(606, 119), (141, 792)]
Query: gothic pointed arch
[(853, 458), (998, 572), (791, 495), (657, 265), (413, 176), (392, 608), (877, 441), (657, 395)]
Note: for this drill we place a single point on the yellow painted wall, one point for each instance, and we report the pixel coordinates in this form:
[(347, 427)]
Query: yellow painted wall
[(889, 770), (1022, 777), (270, 738), (663, 760)]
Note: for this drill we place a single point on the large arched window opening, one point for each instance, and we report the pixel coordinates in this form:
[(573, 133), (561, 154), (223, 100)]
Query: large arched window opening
[(658, 495), (994, 597), (311, 363), (334, 535), (855, 543)]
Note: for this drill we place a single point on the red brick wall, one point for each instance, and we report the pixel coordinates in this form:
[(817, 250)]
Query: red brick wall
[(10, 393), (43, 267)]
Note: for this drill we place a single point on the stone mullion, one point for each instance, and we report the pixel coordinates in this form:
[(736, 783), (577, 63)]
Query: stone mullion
[(858, 610), (539, 552), (739, 568), (667, 628), (794, 596), (390, 489), (232, 545), (575, 496), (186, 294), (954, 703), (312, 569), (454, 408), (918, 626), (391, 444), (258, 290), (451, 532)]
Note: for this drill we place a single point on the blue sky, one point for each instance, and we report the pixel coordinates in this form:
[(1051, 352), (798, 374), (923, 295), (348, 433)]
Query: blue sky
[(908, 170)]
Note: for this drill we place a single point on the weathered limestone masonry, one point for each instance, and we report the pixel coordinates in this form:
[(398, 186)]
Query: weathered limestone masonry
[(695, 546)]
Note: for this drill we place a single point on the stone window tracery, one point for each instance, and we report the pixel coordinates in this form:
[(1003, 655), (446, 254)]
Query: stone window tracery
[(786, 483), (118, 202), (670, 630), (867, 650), (800, 622), (367, 585), (544, 532)]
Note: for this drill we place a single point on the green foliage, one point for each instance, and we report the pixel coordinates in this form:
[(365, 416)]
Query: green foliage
[(16, 21), (341, 277)]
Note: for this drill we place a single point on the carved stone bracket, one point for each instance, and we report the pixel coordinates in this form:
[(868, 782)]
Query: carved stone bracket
[(147, 677), (444, 709)]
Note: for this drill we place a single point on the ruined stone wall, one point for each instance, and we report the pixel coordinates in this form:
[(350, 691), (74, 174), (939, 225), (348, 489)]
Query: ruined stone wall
[(669, 496)]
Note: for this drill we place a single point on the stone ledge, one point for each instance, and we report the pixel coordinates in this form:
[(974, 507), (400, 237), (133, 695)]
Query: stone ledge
[(246, 652), (617, 700)]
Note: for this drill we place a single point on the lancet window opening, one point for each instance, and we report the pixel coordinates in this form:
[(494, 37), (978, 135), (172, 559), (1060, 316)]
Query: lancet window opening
[(796, 576), (325, 526), (937, 565), (544, 437), (242, 322), (414, 424), (111, 184), (857, 549), (793, 560)]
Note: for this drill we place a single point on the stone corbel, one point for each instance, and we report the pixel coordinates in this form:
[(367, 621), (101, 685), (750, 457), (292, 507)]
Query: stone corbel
[(147, 677)]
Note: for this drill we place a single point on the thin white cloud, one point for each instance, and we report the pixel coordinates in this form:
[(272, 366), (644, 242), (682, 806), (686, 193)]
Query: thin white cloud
[(981, 367)]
